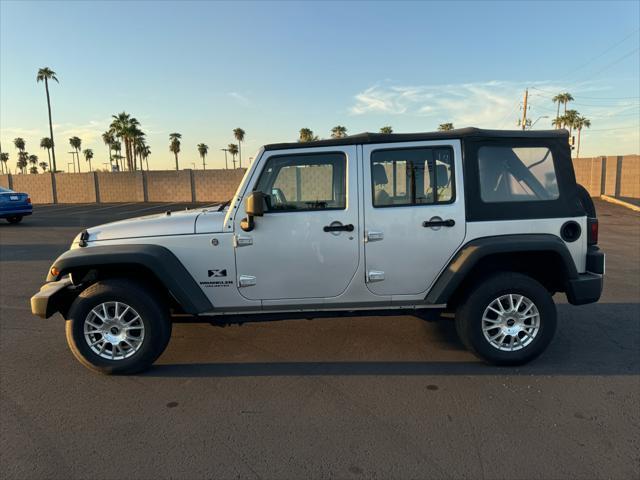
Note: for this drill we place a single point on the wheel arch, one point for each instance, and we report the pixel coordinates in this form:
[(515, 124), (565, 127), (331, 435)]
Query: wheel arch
[(543, 257), (153, 265)]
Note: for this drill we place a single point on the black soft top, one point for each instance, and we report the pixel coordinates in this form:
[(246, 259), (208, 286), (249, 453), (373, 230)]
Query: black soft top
[(460, 133)]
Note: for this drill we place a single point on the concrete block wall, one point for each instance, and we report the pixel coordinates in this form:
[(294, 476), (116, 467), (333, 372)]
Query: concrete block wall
[(613, 175), (74, 187), (4, 180), (216, 185), (119, 187), (39, 187), (169, 186), (630, 176)]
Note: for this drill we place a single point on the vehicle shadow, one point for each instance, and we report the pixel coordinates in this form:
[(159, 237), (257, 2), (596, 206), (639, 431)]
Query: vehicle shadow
[(592, 340)]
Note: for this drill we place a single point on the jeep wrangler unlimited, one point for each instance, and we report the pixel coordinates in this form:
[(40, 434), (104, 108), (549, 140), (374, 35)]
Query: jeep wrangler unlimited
[(485, 224)]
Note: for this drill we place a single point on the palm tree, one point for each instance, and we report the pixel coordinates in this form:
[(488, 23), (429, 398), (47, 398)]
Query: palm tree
[(108, 139), (117, 147), (203, 150), (43, 166), (33, 160), (445, 127), (558, 122), (233, 150), (4, 158), (306, 135), (570, 118), (125, 127), (19, 143), (566, 98), (76, 143), (387, 129), (48, 144), (174, 146), (339, 131), (144, 153), (581, 122), (45, 74), (23, 158), (88, 155), (239, 134), (137, 139)]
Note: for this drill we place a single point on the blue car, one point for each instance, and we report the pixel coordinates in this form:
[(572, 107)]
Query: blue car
[(14, 206)]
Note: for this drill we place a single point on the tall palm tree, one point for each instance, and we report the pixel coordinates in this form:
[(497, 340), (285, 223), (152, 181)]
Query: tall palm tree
[(174, 146), (108, 139), (43, 166), (144, 152), (88, 155), (239, 134), (566, 98), (306, 135), (581, 122), (445, 127), (117, 147), (386, 129), (33, 160), (203, 150), (4, 158), (558, 122), (339, 131), (233, 150), (138, 141), (46, 142), (45, 74), (125, 127), (570, 118), (76, 143), (19, 143), (23, 159)]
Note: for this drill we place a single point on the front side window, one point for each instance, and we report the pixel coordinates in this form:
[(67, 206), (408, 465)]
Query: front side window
[(304, 182), (412, 176), (516, 174)]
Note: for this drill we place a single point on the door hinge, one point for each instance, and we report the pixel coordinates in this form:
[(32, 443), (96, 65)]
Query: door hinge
[(374, 236), (375, 276), (242, 241), (246, 281)]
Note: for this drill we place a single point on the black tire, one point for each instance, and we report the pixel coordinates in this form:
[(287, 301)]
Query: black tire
[(469, 314), (152, 310), (15, 219), (586, 201)]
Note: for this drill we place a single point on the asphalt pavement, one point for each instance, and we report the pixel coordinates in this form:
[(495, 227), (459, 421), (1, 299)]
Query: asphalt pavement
[(346, 398)]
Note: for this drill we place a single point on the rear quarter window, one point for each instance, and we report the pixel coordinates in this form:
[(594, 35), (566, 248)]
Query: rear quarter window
[(516, 174)]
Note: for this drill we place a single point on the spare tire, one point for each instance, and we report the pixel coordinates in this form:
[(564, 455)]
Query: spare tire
[(586, 201)]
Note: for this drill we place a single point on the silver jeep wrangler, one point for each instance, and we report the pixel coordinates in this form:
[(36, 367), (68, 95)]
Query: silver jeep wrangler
[(485, 224)]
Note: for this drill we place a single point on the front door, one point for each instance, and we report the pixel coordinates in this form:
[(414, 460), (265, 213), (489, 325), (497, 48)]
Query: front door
[(414, 214), (306, 244)]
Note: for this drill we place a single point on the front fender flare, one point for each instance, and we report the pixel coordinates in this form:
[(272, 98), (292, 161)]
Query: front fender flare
[(157, 259)]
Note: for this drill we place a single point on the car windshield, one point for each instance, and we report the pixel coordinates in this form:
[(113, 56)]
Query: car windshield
[(5, 190)]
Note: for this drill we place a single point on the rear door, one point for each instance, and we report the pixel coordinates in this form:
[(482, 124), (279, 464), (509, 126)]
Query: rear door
[(414, 214)]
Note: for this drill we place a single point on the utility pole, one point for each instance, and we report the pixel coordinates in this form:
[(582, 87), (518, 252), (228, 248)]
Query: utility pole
[(524, 109)]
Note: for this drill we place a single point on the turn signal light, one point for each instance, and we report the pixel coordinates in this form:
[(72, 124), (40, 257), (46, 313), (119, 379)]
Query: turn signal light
[(55, 272)]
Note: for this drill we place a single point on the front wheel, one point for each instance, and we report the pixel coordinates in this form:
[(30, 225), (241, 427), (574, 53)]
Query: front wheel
[(508, 319), (118, 327)]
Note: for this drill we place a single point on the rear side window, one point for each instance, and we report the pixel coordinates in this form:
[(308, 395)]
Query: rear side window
[(519, 174), (412, 176)]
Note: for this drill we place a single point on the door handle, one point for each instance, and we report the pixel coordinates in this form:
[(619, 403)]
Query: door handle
[(338, 228), (439, 223)]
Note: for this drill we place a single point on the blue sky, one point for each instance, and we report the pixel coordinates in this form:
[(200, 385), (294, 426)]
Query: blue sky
[(203, 68)]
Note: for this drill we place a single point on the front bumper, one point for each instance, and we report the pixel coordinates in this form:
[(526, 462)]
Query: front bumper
[(46, 302)]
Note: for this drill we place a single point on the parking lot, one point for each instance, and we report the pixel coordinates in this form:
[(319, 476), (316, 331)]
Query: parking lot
[(375, 397)]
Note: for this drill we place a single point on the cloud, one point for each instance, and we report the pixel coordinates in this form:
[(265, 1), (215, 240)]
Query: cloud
[(239, 97)]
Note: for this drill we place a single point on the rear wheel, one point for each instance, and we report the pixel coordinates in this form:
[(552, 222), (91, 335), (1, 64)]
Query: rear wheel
[(509, 319), (118, 327), (15, 219)]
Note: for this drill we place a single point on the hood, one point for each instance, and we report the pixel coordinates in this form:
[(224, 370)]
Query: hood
[(169, 223)]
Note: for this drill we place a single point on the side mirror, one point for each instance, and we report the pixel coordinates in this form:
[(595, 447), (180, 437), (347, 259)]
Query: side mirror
[(254, 207)]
